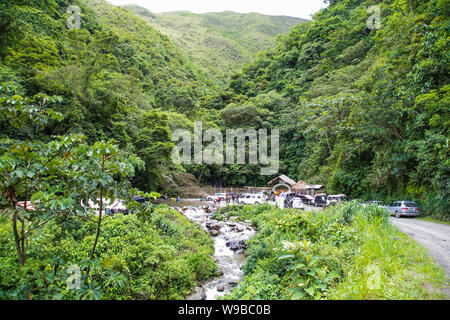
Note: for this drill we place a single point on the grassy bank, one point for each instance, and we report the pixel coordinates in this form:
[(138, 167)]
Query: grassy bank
[(344, 252), (162, 258)]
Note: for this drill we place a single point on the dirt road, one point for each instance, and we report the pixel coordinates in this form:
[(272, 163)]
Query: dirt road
[(434, 237)]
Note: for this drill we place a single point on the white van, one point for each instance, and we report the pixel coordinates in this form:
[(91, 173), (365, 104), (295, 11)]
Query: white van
[(248, 198)]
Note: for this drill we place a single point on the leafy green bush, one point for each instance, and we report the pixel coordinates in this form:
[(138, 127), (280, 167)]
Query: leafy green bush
[(134, 259)]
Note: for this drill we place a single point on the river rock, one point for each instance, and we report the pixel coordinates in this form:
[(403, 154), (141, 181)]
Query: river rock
[(211, 225), (240, 228), (207, 209), (198, 294), (221, 288), (236, 245), (213, 233), (233, 218), (231, 224)]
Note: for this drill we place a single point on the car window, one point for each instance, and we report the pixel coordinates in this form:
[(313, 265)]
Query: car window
[(410, 204)]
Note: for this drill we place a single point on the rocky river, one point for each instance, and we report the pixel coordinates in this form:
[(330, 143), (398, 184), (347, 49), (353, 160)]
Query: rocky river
[(230, 237)]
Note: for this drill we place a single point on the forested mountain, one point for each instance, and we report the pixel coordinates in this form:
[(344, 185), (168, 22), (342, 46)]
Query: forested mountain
[(220, 43), (363, 111), (86, 119), (112, 74)]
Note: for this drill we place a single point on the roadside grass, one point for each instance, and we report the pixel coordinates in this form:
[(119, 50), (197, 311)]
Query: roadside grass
[(347, 252), (391, 266)]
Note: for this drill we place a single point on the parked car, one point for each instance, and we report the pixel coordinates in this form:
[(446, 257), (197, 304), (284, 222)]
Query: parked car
[(248, 198), (306, 199), (404, 208), (336, 199), (217, 197), (288, 197), (297, 203), (320, 200), (263, 195), (140, 199)]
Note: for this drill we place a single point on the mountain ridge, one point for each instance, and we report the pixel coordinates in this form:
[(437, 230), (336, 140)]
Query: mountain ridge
[(221, 43)]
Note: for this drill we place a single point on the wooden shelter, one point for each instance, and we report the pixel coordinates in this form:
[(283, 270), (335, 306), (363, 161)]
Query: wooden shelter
[(307, 189), (300, 186), (282, 179)]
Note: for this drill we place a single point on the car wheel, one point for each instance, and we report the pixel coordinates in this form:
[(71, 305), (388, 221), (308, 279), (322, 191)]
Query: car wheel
[(397, 214)]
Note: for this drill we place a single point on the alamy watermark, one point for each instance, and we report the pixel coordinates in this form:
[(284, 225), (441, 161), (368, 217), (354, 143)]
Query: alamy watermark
[(374, 21), (374, 277), (238, 141), (74, 20), (74, 279)]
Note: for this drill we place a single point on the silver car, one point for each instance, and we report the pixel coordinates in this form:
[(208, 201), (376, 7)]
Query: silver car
[(404, 208)]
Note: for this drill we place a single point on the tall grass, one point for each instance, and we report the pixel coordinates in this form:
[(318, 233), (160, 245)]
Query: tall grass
[(358, 254)]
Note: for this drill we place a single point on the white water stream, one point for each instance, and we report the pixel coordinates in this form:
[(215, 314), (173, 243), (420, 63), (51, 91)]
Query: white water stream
[(229, 241)]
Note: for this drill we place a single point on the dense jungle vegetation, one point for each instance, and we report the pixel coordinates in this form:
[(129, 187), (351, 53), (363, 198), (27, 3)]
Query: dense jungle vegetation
[(362, 111), (88, 114)]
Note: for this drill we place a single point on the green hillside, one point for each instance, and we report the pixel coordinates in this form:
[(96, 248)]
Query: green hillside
[(220, 43), (363, 111), (112, 74)]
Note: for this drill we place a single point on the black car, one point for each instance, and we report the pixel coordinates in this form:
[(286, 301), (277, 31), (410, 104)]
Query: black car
[(140, 199), (304, 198), (320, 200)]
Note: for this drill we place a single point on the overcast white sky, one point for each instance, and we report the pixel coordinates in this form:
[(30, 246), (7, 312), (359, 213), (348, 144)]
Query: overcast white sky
[(295, 8)]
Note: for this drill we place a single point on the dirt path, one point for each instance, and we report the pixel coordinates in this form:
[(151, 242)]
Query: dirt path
[(434, 237)]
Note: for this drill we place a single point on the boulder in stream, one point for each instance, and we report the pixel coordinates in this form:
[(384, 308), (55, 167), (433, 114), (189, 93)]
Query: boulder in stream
[(236, 245), (213, 233), (198, 294), (211, 225)]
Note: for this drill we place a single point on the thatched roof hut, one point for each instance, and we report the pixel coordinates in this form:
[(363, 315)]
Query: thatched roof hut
[(303, 188), (282, 178), (300, 186)]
